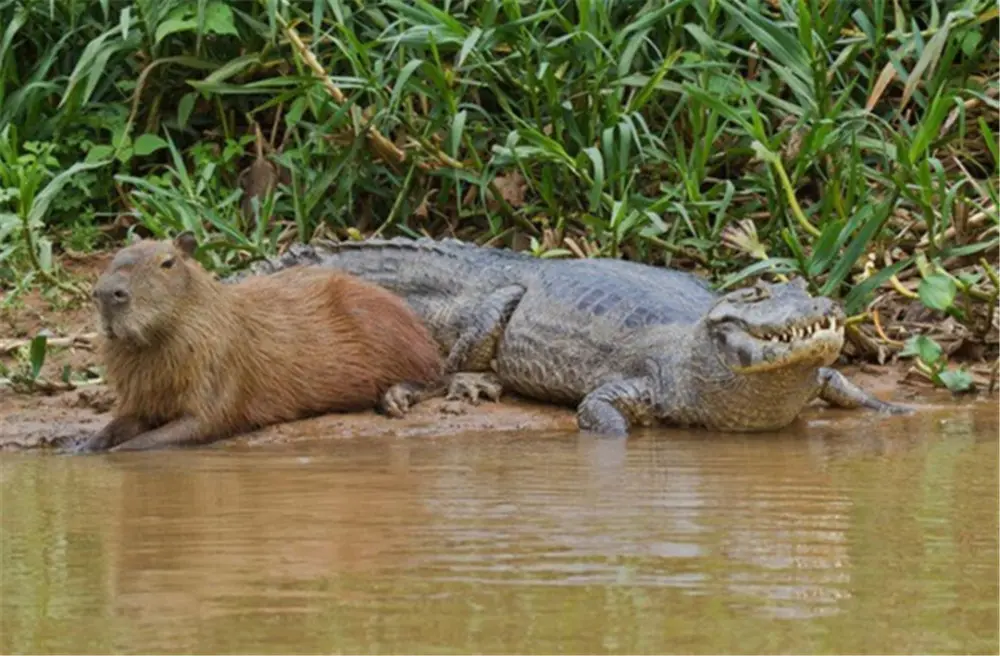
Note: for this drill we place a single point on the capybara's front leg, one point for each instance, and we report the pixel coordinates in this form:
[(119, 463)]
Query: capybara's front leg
[(186, 430), (116, 431)]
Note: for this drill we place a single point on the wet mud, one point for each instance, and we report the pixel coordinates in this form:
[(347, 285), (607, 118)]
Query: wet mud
[(57, 421)]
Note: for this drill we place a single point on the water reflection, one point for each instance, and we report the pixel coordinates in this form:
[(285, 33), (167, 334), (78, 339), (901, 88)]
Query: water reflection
[(670, 542)]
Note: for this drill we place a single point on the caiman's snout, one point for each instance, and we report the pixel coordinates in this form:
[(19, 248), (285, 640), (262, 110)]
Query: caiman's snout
[(828, 308)]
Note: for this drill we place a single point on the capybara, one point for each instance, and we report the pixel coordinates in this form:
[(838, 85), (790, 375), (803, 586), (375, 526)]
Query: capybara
[(193, 360)]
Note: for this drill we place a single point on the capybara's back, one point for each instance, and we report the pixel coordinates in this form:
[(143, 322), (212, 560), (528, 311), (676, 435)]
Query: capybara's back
[(323, 340)]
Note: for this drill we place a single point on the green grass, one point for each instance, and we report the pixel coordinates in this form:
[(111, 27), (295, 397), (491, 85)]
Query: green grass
[(852, 143)]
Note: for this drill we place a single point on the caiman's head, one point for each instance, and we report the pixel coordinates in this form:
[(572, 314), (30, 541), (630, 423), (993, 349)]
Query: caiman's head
[(775, 325)]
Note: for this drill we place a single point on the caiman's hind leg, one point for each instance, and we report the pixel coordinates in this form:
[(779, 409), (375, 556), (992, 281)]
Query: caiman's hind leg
[(612, 407), (482, 327), (835, 389), (472, 386), (400, 398), (470, 357)]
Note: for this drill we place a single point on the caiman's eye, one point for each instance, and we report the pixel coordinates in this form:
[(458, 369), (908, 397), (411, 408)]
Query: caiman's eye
[(754, 294), (167, 263)]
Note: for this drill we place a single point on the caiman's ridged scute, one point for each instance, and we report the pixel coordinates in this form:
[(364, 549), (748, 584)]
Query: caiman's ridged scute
[(630, 343)]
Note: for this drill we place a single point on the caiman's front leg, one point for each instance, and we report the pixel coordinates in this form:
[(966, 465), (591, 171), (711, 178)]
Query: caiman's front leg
[(475, 348), (835, 389), (115, 432), (186, 430), (613, 407)]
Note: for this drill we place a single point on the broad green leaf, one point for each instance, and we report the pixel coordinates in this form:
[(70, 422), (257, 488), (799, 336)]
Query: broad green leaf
[(468, 46), (295, 112), (924, 348), (125, 20), (869, 229), (174, 25), (148, 143), (184, 108), (455, 134), (401, 80), (230, 68), (957, 380), (927, 61), (825, 248), (36, 354), (598, 182), (937, 291), (16, 23), (970, 41), (858, 297), (100, 152), (219, 19)]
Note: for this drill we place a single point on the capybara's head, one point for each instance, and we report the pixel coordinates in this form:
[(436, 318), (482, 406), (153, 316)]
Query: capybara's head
[(145, 287)]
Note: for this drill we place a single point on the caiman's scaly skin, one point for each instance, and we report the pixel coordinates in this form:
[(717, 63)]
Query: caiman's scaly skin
[(629, 344)]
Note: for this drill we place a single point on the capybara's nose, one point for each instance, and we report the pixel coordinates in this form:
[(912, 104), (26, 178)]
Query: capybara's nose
[(111, 293)]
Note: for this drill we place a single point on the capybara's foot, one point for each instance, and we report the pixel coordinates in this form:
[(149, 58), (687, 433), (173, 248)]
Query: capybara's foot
[(472, 386), (89, 444), (454, 408), (401, 397)]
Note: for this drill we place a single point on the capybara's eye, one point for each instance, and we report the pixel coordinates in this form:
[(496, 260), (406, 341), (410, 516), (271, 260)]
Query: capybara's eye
[(167, 263)]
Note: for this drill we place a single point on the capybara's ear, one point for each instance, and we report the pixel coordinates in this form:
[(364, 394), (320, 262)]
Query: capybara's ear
[(186, 243)]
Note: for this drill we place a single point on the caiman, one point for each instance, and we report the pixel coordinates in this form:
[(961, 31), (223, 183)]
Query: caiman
[(628, 344)]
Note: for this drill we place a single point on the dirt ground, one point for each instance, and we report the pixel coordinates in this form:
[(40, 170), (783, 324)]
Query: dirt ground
[(61, 414)]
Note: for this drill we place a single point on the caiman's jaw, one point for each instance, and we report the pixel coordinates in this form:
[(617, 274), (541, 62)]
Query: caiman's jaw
[(773, 326)]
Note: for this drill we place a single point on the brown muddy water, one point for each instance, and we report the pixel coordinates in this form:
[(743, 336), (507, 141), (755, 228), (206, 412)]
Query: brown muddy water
[(851, 533)]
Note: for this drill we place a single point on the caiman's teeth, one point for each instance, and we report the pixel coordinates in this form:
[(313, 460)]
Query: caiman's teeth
[(774, 338)]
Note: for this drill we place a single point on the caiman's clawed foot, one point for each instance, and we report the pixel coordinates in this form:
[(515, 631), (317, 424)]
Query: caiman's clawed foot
[(472, 386), (612, 408), (398, 400), (601, 418), (836, 390)]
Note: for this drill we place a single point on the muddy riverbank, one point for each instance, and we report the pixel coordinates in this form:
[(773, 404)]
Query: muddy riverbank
[(56, 416), (37, 421)]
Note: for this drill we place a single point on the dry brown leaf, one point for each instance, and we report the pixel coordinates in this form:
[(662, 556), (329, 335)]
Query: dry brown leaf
[(511, 187), (884, 78), (423, 210), (753, 61), (550, 240), (470, 195)]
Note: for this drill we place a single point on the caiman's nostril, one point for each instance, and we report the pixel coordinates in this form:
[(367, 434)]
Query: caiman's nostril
[(120, 295)]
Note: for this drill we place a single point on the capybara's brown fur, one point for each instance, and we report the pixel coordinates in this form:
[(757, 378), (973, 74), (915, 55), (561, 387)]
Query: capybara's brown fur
[(211, 359)]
